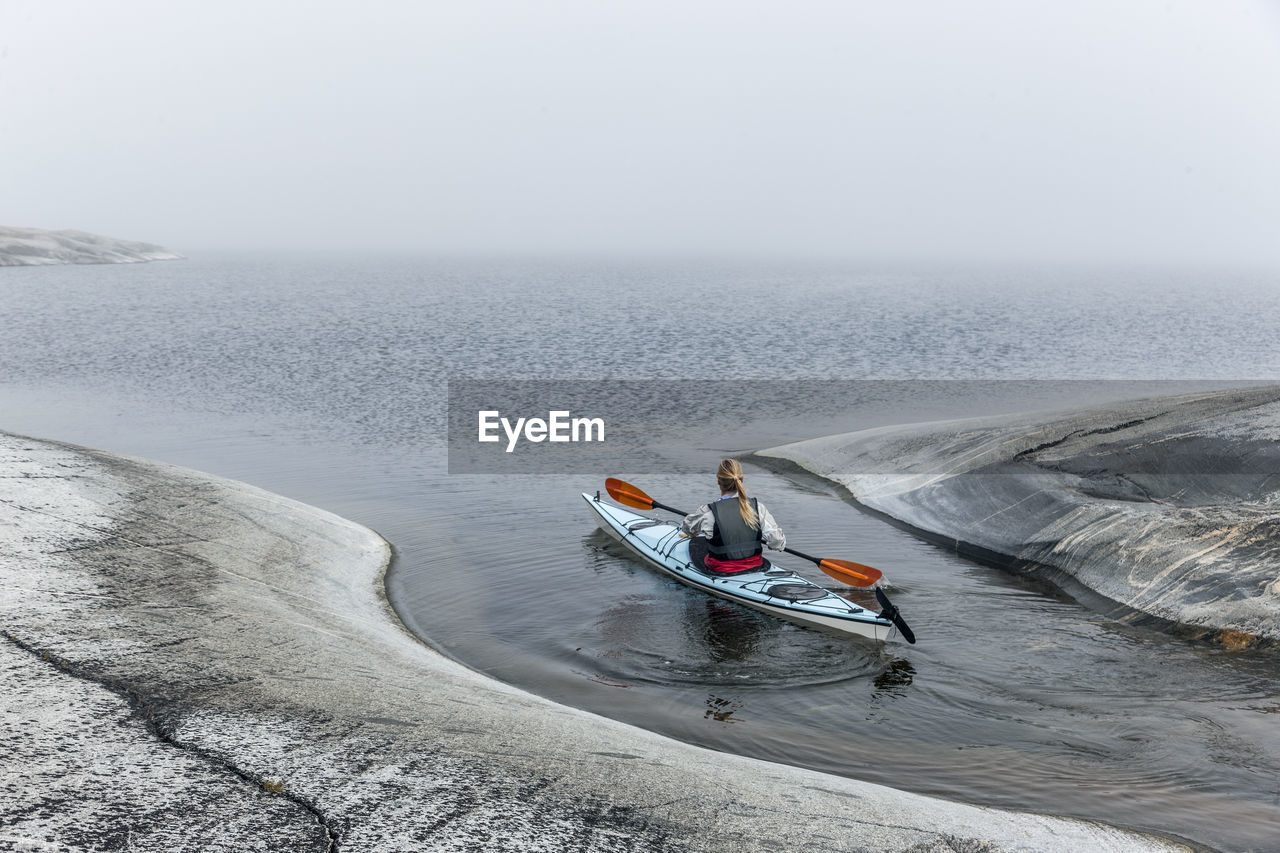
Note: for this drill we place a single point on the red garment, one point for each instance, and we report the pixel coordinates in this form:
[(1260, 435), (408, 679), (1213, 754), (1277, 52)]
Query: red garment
[(729, 567)]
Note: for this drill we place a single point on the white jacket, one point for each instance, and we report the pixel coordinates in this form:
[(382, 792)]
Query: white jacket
[(702, 523)]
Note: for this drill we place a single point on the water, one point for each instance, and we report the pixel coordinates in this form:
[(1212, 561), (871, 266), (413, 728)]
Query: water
[(324, 380)]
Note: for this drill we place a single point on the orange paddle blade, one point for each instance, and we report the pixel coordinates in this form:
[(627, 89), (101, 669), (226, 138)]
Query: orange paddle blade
[(629, 495), (853, 574)]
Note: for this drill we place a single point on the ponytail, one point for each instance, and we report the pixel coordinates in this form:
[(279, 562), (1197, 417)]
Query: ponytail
[(729, 478)]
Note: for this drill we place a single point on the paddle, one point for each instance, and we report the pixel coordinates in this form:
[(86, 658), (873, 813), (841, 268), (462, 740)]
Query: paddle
[(852, 574)]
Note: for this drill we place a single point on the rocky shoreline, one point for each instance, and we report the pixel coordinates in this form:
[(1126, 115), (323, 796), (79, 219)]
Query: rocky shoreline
[(195, 664), (1168, 506), (30, 247)]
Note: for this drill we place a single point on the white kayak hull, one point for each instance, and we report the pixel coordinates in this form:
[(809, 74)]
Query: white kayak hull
[(661, 545)]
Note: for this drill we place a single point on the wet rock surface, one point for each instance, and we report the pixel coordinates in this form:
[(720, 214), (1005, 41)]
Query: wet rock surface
[(1168, 506), (195, 664)]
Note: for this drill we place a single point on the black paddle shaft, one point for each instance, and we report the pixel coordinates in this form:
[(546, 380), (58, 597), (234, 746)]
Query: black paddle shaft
[(802, 556)]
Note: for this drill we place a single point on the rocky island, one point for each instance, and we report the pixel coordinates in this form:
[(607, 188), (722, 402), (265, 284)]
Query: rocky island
[(1168, 507), (28, 247)]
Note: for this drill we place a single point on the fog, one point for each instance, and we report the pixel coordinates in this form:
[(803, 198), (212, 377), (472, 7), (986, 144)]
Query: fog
[(1096, 132)]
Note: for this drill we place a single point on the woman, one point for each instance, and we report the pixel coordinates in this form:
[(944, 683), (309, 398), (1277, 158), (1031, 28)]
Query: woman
[(731, 533)]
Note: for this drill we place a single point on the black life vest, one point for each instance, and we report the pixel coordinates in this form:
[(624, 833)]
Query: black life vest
[(732, 539)]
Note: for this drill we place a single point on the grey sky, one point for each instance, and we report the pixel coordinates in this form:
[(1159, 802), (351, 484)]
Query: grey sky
[(1098, 131)]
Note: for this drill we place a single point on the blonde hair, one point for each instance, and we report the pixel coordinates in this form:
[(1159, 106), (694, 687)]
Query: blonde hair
[(729, 478)]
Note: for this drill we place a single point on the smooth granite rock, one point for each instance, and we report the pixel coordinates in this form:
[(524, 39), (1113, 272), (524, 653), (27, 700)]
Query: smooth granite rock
[(229, 658), (1169, 506), (27, 247)]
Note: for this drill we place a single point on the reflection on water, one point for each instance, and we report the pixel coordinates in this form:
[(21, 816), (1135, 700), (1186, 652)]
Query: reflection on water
[(896, 675), (729, 632), (721, 710)]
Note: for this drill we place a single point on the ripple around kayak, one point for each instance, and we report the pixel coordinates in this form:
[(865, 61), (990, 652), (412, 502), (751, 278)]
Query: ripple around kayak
[(150, 612), (1169, 506)]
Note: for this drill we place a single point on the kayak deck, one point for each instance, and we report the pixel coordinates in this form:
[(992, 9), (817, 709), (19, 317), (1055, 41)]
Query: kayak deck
[(776, 591)]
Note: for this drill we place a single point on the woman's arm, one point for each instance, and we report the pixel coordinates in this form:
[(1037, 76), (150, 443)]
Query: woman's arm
[(700, 522), (769, 529)]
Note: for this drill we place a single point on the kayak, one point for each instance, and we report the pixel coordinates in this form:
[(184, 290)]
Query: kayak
[(773, 590)]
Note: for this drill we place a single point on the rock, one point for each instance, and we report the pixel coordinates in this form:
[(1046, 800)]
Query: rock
[(1169, 506), (21, 247), (246, 639)]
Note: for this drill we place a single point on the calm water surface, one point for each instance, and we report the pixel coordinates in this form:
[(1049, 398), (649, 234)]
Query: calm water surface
[(324, 380)]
